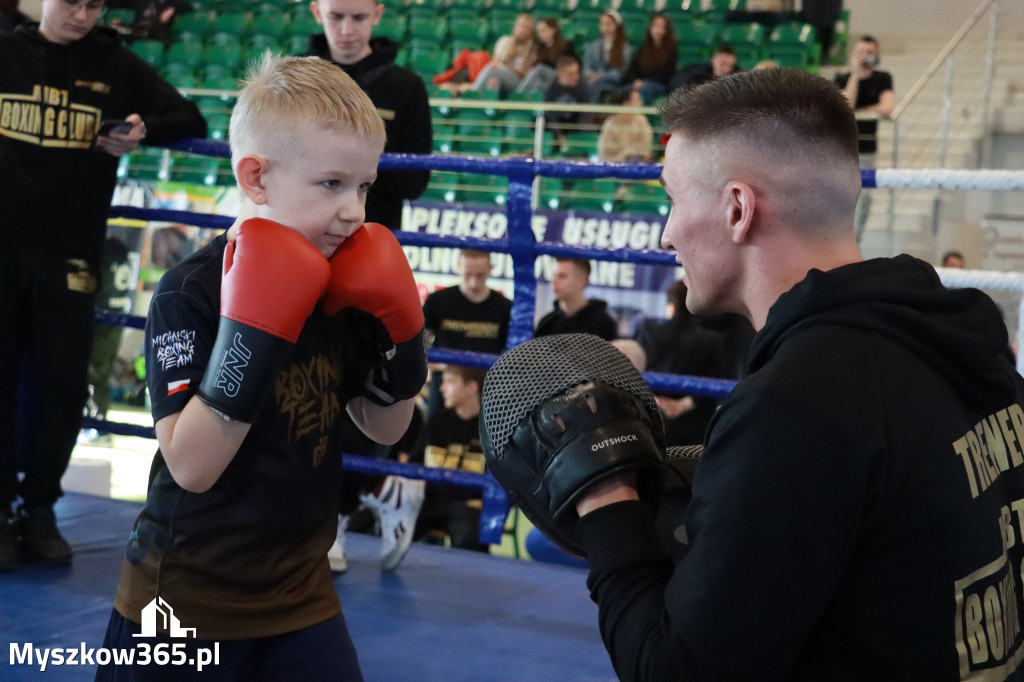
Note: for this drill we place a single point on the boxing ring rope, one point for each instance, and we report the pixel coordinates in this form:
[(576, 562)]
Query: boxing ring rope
[(521, 244)]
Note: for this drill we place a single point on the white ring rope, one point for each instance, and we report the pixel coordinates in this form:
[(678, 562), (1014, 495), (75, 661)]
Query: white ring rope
[(996, 180), (989, 280)]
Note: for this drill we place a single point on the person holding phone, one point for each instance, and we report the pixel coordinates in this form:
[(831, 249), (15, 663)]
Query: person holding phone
[(869, 91), (62, 78)]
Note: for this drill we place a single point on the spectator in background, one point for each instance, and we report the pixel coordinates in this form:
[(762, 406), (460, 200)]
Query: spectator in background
[(573, 313), (513, 57), (953, 259), (869, 91), (50, 272), (469, 316), (567, 88), (679, 345), (153, 18), (453, 442), (114, 296), (654, 64), (605, 59), (399, 95), (723, 63), (625, 136), (551, 46)]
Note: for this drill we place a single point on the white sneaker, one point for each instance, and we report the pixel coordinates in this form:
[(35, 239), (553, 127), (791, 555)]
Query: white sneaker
[(336, 554), (396, 508)]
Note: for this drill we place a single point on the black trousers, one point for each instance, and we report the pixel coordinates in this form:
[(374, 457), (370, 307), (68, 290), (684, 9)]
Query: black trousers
[(49, 298)]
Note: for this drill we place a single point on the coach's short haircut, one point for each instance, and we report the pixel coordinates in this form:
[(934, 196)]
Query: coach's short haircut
[(773, 107)]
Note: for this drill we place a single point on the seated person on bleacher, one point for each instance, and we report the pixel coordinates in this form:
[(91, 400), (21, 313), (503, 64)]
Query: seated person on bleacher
[(723, 63), (453, 442), (625, 136), (153, 18), (654, 64), (551, 46), (567, 88), (513, 57), (605, 58)]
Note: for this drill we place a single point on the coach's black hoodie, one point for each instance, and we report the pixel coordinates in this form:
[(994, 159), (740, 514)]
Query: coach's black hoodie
[(858, 510), (401, 100), (55, 189)]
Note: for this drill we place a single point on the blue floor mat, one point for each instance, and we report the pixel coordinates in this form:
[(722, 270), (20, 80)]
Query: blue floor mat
[(445, 615)]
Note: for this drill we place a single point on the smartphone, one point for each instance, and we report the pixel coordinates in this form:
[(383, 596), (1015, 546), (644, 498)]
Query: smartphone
[(119, 127)]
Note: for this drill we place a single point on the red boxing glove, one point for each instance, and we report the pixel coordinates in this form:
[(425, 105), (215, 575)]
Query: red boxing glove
[(369, 271), (272, 280)]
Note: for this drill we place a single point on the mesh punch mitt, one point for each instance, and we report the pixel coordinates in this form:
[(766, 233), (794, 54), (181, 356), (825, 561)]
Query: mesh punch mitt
[(559, 414)]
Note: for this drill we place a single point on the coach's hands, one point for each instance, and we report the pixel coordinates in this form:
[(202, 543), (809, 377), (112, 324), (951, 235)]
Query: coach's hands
[(586, 424)]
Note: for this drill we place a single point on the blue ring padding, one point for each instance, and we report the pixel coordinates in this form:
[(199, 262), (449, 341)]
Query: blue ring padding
[(119, 319), (868, 178), (121, 429), (213, 220), (496, 504)]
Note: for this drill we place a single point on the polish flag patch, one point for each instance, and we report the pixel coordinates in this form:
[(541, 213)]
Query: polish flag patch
[(177, 386)]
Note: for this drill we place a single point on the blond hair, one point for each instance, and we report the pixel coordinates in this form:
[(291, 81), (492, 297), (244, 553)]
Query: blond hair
[(281, 95)]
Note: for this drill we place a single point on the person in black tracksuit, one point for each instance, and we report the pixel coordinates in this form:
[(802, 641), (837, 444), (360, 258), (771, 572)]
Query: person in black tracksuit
[(573, 313), (401, 101), (858, 510), (397, 92), (59, 81)]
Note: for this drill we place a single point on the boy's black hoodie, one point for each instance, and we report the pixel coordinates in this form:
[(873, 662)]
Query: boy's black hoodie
[(401, 100), (54, 189), (858, 512)]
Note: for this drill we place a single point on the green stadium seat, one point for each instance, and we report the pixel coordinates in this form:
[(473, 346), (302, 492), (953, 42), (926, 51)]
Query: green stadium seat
[(218, 125), (228, 56), (477, 115), (258, 44), (696, 42), (501, 21), (645, 198), (464, 13), (469, 29), (479, 141), (487, 190), (188, 55), (231, 23), (550, 8), (444, 186), (582, 144), (144, 164), (430, 11), (150, 51), (272, 25), (428, 28), (297, 44), (594, 195), (551, 193), (793, 45), (195, 170), (747, 39), (428, 64), (392, 26), (304, 24), (195, 24), (444, 139)]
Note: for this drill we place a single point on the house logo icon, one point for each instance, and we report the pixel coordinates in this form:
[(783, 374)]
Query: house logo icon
[(159, 614)]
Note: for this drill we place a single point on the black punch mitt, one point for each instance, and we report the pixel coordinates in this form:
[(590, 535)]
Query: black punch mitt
[(559, 414)]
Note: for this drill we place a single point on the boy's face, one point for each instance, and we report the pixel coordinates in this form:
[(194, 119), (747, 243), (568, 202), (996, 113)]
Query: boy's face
[(320, 190), (348, 25), (474, 271), (569, 76), (568, 281), (457, 392)]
